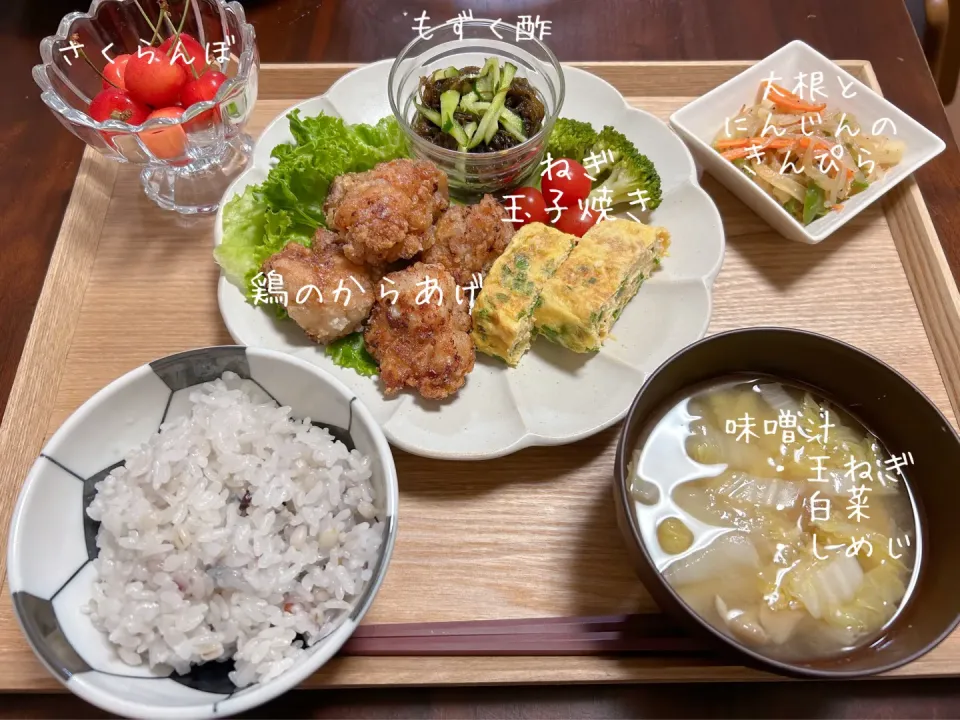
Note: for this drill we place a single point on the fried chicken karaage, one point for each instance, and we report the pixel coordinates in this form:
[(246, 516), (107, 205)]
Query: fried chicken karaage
[(311, 278), (468, 238), (386, 214), (419, 332)]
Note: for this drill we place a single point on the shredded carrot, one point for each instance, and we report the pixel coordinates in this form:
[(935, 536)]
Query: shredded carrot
[(803, 107), (734, 143), (736, 153), (743, 148), (739, 148), (782, 97), (805, 141), (766, 142)]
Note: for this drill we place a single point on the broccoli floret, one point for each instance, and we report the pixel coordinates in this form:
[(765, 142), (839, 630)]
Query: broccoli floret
[(571, 139), (624, 171), (627, 171)]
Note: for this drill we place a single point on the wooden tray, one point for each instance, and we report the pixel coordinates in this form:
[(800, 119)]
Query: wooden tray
[(530, 535)]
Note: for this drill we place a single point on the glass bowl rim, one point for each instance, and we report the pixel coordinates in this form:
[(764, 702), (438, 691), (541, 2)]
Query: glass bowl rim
[(453, 155), (55, 102)]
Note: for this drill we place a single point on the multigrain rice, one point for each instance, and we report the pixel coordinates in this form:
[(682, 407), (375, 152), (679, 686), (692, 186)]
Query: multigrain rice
[(234, 532)]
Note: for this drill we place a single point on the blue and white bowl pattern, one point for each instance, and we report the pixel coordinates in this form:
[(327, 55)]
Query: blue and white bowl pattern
[(52, 540)]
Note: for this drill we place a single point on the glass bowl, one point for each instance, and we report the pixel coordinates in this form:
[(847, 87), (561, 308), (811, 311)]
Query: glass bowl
[(462, 43), (188, 161)]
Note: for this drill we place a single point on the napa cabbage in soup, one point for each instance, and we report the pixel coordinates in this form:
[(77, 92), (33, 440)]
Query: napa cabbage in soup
[(777, 517)]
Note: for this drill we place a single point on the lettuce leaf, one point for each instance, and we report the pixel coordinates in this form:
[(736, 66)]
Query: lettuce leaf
[(288, 206), (351, 352), (325, 148), (243, 230), (252, 232)]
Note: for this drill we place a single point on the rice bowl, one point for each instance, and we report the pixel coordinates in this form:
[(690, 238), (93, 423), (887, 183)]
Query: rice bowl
[(235, 531), (239, 525)]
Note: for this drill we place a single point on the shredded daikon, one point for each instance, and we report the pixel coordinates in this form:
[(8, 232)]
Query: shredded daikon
[(787, 146)]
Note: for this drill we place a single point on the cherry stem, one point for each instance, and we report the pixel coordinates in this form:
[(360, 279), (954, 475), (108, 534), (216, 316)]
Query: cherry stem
[(176, 41), (147, 18), (156, 30), (75, 39), (170, 25)]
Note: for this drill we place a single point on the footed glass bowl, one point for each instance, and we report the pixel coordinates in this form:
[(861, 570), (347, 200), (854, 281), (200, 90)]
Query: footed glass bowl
[(189, 160), (462, 43)]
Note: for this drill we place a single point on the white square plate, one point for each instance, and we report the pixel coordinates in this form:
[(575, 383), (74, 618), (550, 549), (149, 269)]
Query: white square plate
[(699, 122)]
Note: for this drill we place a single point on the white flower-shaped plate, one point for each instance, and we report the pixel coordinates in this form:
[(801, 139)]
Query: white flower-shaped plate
[(554, 396)]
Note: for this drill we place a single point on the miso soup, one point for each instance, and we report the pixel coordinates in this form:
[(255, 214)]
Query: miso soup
[(777, 517)]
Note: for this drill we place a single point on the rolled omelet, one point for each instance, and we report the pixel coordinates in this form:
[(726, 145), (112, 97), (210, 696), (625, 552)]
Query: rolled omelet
[(584, 298), (503, 311)]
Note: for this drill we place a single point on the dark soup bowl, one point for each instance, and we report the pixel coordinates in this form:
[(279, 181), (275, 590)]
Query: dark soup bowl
[(867, 392)]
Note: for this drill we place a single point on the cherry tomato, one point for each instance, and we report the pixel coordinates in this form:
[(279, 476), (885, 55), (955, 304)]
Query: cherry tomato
[(569, 179), (203, 88), (575, 220), (154, 79), (526, 206), (113, 72), (166, 142)]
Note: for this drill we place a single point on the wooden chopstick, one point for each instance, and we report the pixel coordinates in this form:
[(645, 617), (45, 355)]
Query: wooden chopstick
[(600, 635), (643, 623)]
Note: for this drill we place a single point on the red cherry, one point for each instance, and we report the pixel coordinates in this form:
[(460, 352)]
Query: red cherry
[(189, 53), (114, 104), (203, 88), (113, 72), (167, 142), (153, 78)]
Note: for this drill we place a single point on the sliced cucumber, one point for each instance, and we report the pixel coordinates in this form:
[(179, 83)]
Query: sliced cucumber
[(430, 114), (468, 99), (482, 95), (459, 134), (509, 70), (488, 124), (496, 107), (460, 172), (511, 120), (482, 88), (471, 103), (513, 131), (445, 73), (448, 105), (489, 79), (489, 66)]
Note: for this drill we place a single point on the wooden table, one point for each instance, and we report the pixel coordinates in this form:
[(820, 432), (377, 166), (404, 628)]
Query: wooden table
[(40, 160)]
